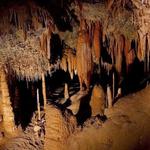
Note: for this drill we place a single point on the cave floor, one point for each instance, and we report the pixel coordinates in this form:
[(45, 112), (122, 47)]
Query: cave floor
[(127, 127)]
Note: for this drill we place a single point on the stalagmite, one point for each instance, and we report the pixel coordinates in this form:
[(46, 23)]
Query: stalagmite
[(44, 90), (66, 93), (113, 84), (38, 105), (148, 53), (109, 97), (8, 116), (119, 92), (97, 101)]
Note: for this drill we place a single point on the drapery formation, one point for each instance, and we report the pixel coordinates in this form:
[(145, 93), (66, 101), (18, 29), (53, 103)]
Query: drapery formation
[(115, 34), (84, 55), (68, 62), (109, 34)]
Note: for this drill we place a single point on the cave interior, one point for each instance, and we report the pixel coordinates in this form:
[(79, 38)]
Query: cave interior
[(69, 58)]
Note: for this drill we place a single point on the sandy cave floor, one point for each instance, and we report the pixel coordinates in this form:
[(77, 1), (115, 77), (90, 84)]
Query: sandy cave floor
[(127, 128)]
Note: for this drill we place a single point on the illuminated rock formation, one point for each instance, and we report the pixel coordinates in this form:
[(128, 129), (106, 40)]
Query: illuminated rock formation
[(84, 56), (6, 108), (58, 128), (97, 101)]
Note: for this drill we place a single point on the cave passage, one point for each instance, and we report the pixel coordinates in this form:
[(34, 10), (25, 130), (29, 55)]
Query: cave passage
[(67, 67)]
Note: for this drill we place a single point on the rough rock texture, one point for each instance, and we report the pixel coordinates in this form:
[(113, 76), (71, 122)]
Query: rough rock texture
[(93, 122), (30, 139), (6, 109), (142, 15), (76, 100), (59, 126), (126, 128), (24, 142)]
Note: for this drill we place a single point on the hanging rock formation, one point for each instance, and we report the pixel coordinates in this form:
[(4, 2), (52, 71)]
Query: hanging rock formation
[(68, 62), (84, 56)]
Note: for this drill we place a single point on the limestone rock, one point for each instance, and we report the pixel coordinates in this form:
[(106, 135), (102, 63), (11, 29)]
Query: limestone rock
[(59, 125), (97, 101)]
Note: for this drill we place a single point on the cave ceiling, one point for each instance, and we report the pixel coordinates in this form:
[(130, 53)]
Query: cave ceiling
[(105, 24)]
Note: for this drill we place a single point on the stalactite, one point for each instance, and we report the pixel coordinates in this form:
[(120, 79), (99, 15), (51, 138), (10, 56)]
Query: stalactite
[(110, 3), (70, 66), (97, 42), (142, 39), (64, 63), (21, 18), (139, 52), (45, 41), (48, 43), (29, 17), (127, 50), (106, 66), (131, 56), (118, 54), (68, 62), (84, 56)]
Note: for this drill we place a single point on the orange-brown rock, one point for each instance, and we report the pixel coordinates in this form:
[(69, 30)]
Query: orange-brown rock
[(59, 125), (97, 101)]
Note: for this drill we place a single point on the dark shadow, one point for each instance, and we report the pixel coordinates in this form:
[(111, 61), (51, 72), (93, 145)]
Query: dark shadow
[(59, 11), (84, 110), (102, 118), (24, 101), (56, 48), (135, 75)]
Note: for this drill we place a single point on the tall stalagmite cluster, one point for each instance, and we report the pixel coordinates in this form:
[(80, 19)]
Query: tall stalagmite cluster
[(6, 109)]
